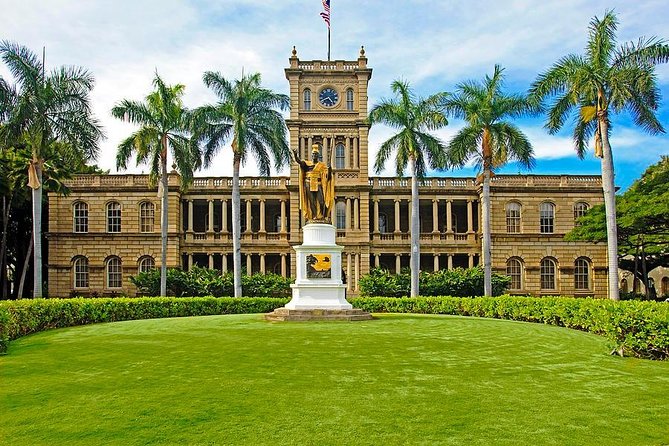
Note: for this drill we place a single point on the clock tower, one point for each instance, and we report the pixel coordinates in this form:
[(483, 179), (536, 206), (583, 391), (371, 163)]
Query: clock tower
[(328, 107)]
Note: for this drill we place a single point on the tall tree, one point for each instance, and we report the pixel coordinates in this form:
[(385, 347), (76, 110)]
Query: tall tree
[(164, 127), (488, 138), (248, 113), (642, 220), (593, 87), (414, 118), (51, 107)]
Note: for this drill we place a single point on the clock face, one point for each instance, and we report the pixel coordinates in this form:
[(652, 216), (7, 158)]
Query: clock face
[(328, 97)]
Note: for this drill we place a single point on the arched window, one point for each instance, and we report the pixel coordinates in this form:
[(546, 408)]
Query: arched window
[(146, 264), (113, 217), (114, 272), (547, 272), (580, 209), (80, 266), (547, 217), (624, 287), (307, 99), (349, 99), (340, 156), (636, 286), (340, 209), (664, 286), (582, 274), (514, 269), (147, 212), (80, 216), (513, 217)]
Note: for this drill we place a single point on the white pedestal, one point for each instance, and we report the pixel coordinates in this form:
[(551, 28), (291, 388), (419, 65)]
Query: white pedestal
[(316, 287)]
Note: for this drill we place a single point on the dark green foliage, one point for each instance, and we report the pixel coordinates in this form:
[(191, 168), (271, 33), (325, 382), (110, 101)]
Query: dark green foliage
[(455, 282), (633, 328), (22, 317), (208, 282)]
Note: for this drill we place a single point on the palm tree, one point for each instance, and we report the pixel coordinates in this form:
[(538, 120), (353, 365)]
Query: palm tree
[(246, 112), (488, 139), (163, 122), (605, 80), (414, 118), (51, 108)]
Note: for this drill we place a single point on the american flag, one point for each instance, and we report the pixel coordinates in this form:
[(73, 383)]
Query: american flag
[(326, 12)]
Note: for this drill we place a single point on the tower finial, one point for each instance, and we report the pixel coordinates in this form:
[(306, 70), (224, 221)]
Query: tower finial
[(362, 50), (294, 51)]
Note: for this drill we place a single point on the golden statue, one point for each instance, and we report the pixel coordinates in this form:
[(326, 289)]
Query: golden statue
[(316, 184)]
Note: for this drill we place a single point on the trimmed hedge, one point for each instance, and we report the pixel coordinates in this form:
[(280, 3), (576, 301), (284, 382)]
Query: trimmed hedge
[(633, 328), (22, 317), (457, 282)]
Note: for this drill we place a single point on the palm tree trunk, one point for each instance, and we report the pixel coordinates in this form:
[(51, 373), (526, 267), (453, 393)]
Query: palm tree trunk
[(26, 264), (6, 207), (163, 223), (610, 206), (487, 239), (415, 230), (37, 234), (236, 228)]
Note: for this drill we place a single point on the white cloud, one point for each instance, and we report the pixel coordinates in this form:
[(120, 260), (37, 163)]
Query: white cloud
[(432, 44)]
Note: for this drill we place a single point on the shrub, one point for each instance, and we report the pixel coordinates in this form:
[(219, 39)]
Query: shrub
[(22, 317), (454, 282), (633, 328), (209, 282)]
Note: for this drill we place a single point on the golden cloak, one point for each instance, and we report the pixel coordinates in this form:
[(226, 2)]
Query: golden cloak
[(316, 177)]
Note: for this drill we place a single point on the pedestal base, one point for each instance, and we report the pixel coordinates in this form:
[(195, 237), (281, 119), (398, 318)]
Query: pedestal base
[(285, 314)]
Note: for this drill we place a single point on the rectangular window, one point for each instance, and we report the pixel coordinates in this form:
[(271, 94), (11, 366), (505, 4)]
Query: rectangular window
[(547, 217), (146, 217), (81, 217), (113, 217), (513, 218)]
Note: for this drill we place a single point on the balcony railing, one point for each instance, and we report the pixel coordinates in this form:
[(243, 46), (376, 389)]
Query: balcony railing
[(402, 237), (205, 237), (433, 183)]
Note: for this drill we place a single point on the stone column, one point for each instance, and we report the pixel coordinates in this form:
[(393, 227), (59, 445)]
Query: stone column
[(210, 222), (398, 263), (262, 215), (397, 216), (470, 217), (311, 143), (262, 263), (436, 262), (190, 261), (450, 261), (248, 216), (347, 147), (347, 226), (356, 213), (348, 271), (357, 271), (211, 260), (190, 216), (376, 216), (326, 148), (224, 264), (224, 215), (283, 265), (471, 260), (355, 153), (377, 260), (283, 216), (449, 216), (249, 265), (435, 215)]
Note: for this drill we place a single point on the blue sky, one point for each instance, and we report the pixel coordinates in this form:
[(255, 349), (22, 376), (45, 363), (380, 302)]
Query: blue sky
[(432, 44)]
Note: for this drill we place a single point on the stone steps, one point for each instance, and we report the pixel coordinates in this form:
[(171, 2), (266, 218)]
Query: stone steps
[(318, 314)]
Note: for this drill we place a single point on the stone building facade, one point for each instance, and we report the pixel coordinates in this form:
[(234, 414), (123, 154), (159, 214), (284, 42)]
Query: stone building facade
[(108, 228)]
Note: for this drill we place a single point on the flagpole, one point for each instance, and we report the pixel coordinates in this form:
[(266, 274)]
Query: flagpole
[(328, 44)]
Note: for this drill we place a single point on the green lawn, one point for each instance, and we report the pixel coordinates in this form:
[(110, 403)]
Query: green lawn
[(400, 379)]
